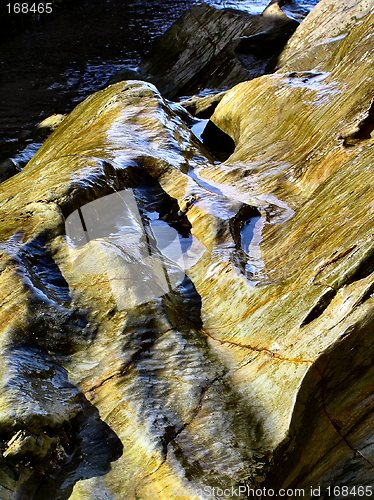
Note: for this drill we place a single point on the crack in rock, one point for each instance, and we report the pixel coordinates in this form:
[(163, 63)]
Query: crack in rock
[(260, 349)]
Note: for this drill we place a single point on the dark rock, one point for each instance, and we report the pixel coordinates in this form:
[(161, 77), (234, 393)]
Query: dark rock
[(202, 106), (306, 136), (14, 22), (126, 74), (7, 169), (215, 48)]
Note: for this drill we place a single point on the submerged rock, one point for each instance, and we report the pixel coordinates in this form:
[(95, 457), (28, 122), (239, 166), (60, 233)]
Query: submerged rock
[(8, 168), (14, 21), (254, 367)]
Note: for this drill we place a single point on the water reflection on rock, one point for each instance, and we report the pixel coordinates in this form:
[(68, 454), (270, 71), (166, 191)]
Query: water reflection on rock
[(141, 256)]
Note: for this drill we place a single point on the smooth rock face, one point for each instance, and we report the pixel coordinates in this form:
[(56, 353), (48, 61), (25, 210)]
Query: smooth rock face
[(255, 368), (215, 48), (317, 156)]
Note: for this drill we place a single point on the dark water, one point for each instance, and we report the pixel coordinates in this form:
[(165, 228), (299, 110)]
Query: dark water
[(60, 60)]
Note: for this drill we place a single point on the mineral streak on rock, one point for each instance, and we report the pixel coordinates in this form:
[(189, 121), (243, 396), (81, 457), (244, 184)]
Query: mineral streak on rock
[(256, 369), (316, 155)]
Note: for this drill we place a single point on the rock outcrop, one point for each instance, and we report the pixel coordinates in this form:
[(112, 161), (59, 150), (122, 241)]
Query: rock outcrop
[(316, 155), (254, 368), (214, 48), (31, 143), (202, 106)]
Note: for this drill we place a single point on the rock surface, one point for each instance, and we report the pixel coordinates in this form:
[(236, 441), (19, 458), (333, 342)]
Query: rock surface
[(202, 106), (214, 48), (43, 129), (233, 376), (31, 143), (316, 156)]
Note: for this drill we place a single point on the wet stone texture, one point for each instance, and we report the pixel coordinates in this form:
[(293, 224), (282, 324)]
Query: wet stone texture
[(250, 362), (210, 48)]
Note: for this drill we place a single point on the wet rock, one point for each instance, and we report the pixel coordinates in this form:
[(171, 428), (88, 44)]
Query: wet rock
[(202, 106), (28, 145), (315, 156), (215, 48), (291, 8), (37, 407), (7, 169), (47, 126), (230, 374), (154, 347), (12, 23), (322, 40)]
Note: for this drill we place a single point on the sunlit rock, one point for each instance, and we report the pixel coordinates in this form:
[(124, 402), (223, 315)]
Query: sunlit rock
[(305, 135), (254, 367)]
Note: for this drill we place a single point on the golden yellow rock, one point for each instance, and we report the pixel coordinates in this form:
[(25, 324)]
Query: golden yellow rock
[(248, 363)]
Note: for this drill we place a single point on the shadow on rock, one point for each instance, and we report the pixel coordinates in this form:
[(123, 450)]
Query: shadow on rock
[(214, 48), (50, 435), (334, 401)]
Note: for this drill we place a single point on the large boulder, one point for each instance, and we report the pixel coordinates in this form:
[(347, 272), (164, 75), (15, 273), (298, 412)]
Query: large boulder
[(130, 369), (145, 367), (214, 48)]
